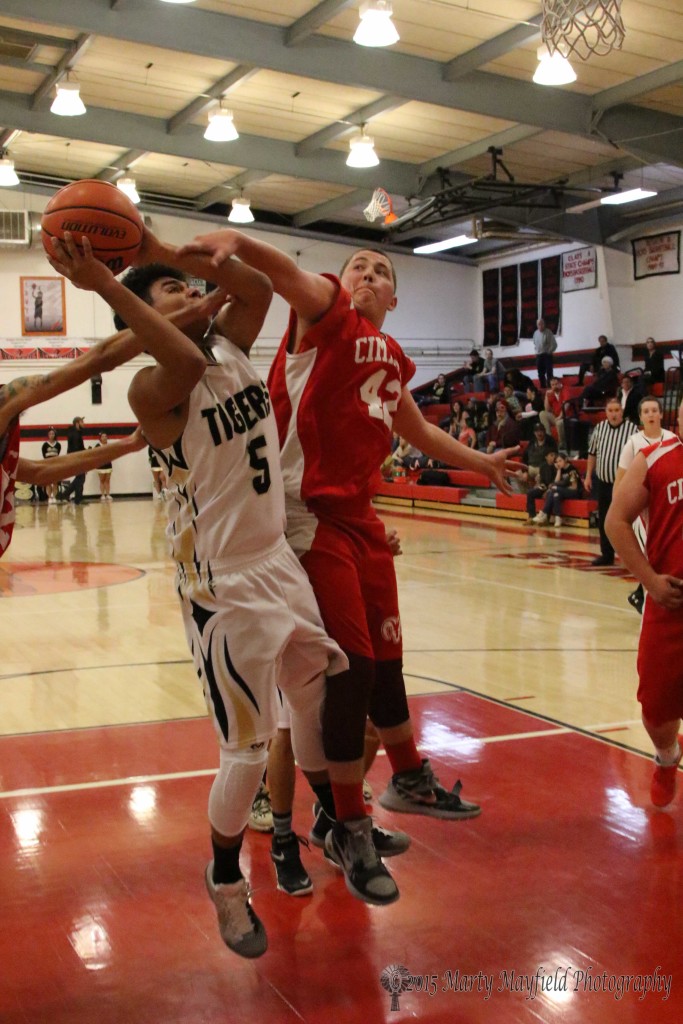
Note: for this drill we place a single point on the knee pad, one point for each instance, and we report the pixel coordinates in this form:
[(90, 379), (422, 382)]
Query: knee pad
[(389, 704), (234, 788), (347, 699)]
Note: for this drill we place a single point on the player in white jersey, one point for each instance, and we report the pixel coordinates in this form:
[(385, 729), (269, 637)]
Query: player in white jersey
[(250, 616), (650, 416)]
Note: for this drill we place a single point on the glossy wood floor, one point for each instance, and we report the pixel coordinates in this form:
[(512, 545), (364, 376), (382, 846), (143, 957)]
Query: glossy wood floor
[(521, 660)]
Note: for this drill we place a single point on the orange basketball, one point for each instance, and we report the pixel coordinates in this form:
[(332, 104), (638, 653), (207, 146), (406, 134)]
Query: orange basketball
[(101, 211)]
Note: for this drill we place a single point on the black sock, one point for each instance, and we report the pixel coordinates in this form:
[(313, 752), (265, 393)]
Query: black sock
[(323, 791), (226, 863)]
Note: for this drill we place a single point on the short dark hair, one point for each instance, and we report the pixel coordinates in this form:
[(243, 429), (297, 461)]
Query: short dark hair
[(648, 398), (380, 252), (139, 280)]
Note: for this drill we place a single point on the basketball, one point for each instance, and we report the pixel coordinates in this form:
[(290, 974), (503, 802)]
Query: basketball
[(101, 211)]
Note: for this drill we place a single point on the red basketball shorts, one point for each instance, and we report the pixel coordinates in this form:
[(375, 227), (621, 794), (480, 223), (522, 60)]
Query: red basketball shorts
[(660, 664)]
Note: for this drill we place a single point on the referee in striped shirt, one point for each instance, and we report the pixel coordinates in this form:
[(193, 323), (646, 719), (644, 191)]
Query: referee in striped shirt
[(606, 445)]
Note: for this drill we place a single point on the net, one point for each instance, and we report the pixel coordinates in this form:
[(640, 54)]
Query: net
[(582, 27), (380, 206)]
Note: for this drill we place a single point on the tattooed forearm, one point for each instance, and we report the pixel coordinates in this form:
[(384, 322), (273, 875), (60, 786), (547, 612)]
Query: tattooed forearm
[(17, 387)]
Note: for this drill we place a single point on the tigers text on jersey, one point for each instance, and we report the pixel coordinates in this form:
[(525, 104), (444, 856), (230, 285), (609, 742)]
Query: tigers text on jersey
[(9, 460), (226, 501), (664, 481), (334, 401)]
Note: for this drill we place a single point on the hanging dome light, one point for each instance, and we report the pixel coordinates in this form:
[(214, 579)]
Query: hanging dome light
[(68, 102), (553, 70), (241, 211), (376, 27), (362, 151), (221, 126), (127, 186), (8, 176)]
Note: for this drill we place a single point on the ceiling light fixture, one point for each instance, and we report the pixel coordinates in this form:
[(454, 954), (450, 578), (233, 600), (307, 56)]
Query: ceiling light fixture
[(68, 102), (8, 175), (553, 69), (177, 1), (632, 195), (127, 186), (221, 126), (376, 27), (241, 211), (446, 243), (362, 151)]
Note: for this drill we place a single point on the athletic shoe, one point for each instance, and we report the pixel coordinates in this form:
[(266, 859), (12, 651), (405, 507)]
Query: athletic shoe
[(419, 792), (239, 926), (387, 844), (261, 817), (663, 784), (529, 522), (349, 844), (637, 598), (292, 876), (541, 519), (557, 521), (367, 792)]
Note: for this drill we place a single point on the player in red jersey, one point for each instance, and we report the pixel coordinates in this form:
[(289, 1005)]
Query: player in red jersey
[(654, 481), (339, 389)]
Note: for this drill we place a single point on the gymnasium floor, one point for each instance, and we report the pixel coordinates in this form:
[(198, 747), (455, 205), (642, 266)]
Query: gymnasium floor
[(560, 903)]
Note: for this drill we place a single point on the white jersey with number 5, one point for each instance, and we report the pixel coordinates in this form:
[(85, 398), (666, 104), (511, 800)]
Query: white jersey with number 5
[(226, 498)]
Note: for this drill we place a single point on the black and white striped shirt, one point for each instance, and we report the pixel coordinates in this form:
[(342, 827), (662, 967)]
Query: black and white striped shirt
[(606, 444)]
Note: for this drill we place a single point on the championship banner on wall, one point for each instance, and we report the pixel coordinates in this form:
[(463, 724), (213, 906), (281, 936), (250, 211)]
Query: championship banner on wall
[(49, 348), (657, 254), (579, 269)]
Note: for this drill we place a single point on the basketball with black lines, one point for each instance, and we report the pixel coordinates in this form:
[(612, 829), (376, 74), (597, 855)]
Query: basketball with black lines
[(101, 211)]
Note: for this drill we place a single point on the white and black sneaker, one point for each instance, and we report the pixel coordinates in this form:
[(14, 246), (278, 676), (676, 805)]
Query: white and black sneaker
[(387, 844), (419, 792), (238, 924), (349, 844), (292, 876)]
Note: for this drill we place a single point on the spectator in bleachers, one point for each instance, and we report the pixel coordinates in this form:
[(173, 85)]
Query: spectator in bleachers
[(470, 370), (653, 372), (439, 393), (544, 346), (407, 456), (546, 477), (605, 348), (531, 410), (534, 455), (567, 484), (491, 375), (504, 432), (518, 380), (630, 394), (456, 413), (553, 410), (605, 385)]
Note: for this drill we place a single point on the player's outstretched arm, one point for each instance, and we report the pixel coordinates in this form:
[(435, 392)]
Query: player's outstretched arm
[(628, 502), (310, 295), (250, 291), (411, 424), (51, 471)]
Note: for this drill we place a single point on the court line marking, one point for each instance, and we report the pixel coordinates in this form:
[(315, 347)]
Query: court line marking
[(524, 590), (138, 780)]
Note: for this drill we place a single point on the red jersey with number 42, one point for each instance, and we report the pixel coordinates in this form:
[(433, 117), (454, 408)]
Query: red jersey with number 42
[(9, 459), (334, 402), (664, 481)]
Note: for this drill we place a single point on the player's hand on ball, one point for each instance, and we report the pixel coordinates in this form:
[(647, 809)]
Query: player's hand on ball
[(77, 263)]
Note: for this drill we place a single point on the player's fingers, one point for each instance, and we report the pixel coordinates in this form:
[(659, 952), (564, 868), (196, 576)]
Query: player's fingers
[(70, 244), (87, 247)]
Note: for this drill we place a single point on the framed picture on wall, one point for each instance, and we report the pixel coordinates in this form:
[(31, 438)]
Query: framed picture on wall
[(43, 306)]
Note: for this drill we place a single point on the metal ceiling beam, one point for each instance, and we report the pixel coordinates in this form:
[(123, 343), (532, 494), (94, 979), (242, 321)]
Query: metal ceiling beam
[(459, 156), (118, 168), (68, 61), (639, 130), (217, 193), (224, 85), (305, 26), (492, 49), (132, 131), (17, 35), (324, 210), (224, 37), (640, 86), (338, 129), (24, 65)]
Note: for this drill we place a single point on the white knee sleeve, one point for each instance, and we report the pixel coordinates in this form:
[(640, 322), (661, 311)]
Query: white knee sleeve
[(234, 788)]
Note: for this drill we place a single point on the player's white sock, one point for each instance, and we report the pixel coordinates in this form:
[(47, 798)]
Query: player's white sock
[(669, 756)]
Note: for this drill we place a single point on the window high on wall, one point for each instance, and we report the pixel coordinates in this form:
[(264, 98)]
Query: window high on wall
[(516, 296)]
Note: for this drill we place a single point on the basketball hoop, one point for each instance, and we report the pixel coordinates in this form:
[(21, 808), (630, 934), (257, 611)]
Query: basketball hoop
[(380, 205), (582, 27)]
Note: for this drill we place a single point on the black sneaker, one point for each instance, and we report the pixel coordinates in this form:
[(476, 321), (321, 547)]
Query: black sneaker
[(387, 844), (419, 792), (349, 844), (637, 598), (292, 876)]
